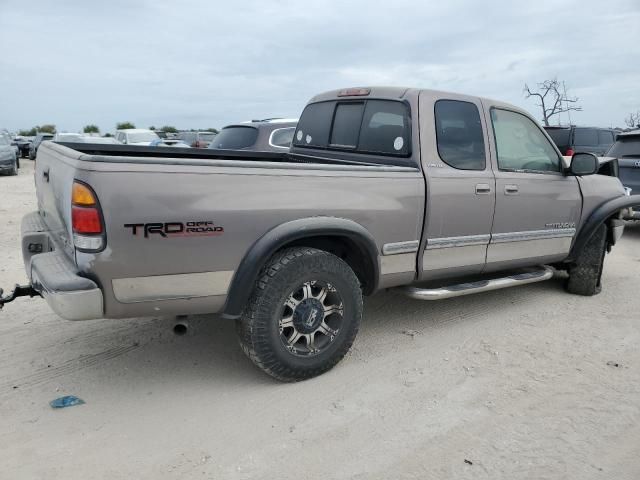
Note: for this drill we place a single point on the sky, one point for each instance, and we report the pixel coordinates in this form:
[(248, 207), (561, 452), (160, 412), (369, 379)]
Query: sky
[(200, 64)]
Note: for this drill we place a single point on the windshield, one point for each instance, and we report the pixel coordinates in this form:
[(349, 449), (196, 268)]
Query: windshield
[(4, 140), (235, 138), (141, 137)]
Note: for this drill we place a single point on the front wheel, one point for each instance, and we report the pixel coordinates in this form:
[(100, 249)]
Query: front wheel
[(303, 314), (585, 276)]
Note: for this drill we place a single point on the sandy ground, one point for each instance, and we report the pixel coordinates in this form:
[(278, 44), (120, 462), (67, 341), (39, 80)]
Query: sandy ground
[(521, 383)]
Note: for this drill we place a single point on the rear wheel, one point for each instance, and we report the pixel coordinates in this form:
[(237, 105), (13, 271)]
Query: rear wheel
[(585, 276), (303, 314)]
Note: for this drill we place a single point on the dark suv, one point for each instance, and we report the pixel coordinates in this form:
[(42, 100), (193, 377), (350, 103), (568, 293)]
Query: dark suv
[(582, 139), (627, 151)]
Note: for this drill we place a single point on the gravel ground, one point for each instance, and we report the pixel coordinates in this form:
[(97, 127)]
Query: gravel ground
[(529, 382)]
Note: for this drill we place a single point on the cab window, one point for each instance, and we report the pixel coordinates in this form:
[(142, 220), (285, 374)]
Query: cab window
[(459, 135), (521, 145)]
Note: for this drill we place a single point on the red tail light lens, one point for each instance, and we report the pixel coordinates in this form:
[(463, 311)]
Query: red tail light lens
[(86, 220), (570, 152)]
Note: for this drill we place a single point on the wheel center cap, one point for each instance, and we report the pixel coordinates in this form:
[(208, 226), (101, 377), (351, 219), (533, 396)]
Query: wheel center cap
[(308, 315)]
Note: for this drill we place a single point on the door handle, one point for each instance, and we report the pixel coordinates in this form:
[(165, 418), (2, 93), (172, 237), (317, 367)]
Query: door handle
[(483, 189), (511, 190), (45, 174)]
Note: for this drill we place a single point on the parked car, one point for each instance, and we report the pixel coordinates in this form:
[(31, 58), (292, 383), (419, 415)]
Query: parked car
[(23, 144), (168, 142), (626, 150), (582, 139), (383, 188), (68, 137), (40, 137), (9, 160), (83, 138), (136, 136), (272, 135), (197, 139)]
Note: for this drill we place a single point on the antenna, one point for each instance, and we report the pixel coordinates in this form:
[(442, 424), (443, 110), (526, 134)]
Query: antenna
[(564, 87)]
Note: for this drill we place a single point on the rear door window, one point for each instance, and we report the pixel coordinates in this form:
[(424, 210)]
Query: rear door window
[(459, 135), (235, 138), (585, 136)]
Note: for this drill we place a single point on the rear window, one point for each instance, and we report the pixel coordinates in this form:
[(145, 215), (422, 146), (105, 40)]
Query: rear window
[(625, 147), (560, 136), (605, 137), (346, 125), (585, 136), (314, 125), (373, 126), (235, 138)]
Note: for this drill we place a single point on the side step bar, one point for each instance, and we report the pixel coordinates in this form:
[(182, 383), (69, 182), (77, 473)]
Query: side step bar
[(544, 273)]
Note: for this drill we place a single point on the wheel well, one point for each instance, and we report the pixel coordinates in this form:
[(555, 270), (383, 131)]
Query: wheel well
[(346, 249)]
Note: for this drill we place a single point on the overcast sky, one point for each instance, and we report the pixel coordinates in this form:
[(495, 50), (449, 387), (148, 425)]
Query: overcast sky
[(197, 64)]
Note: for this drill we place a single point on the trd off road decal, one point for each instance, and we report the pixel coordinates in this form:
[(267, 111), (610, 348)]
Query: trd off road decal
[(176, 229)]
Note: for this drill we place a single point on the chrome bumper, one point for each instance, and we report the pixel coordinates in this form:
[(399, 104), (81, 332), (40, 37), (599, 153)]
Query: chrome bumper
[(54, 275)]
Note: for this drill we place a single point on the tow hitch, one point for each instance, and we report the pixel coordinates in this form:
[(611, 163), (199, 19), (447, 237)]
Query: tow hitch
[(18, 291)]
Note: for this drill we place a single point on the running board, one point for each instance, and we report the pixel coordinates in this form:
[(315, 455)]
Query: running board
[(544, 273)]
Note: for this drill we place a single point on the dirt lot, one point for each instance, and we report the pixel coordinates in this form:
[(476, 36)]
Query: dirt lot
[(523, 383)]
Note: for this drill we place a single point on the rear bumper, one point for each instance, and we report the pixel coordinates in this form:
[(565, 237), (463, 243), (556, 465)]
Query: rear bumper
[(55, 276)]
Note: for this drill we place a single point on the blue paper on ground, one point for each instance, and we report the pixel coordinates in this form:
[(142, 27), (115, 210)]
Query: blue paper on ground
[(67, 401)]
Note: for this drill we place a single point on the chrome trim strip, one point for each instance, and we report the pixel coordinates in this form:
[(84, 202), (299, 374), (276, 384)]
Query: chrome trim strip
[(400, 247), (532, 235), (464, 241), (171, 287)]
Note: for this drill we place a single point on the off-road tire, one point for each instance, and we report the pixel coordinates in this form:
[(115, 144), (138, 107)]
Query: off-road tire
[(585, 275), (259, 330)]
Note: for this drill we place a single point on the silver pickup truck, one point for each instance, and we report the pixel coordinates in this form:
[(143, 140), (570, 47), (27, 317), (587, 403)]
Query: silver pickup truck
[(435, 194)]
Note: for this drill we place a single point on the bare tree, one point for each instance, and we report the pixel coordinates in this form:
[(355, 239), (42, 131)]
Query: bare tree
[(553, 98), (633, 120)]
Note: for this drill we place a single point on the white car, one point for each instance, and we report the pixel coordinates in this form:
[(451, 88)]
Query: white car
[(136, 136)]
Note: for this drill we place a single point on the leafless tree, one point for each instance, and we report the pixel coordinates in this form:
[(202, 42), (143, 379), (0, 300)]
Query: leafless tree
[(633, 120), (553, 98)]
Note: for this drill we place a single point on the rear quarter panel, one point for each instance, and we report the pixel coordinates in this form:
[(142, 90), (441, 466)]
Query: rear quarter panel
[(246, 202)]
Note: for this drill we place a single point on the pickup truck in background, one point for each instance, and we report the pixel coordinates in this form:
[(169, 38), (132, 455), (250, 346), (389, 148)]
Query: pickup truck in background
[(435, 194)]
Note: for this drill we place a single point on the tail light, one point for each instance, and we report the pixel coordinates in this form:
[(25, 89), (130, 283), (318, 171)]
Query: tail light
[(570, 152), (86, 219)]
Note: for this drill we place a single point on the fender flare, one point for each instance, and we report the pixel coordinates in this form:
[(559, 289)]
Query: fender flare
[(285, 233), (600, 215)]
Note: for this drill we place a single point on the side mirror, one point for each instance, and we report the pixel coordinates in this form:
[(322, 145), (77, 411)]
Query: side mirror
[(584, 164)]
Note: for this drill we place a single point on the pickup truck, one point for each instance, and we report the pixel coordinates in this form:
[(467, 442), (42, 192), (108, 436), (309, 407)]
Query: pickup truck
[(434, 194)]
